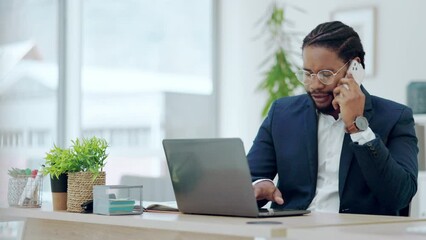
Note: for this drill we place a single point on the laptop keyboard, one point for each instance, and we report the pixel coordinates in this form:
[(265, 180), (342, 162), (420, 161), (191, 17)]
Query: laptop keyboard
[(267, 211), (281, 212)]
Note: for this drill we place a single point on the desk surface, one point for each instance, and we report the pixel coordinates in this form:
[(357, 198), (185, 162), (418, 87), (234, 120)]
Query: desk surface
[(216, 225), (389, 231)]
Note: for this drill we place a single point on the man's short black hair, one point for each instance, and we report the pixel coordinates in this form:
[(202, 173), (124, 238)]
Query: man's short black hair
[(338, 37)]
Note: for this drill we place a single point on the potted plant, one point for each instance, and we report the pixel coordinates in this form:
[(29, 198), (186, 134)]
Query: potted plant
[(85, 171), (56, 165), (81, 165), (280, 79)]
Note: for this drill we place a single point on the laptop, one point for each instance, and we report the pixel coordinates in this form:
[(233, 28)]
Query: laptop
[(212, 176)]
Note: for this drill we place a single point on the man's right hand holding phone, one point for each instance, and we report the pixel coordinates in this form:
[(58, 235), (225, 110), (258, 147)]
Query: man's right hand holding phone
[(348, 97)]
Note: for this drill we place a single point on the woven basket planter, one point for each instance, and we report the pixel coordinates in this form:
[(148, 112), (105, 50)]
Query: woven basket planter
[(80, 189)]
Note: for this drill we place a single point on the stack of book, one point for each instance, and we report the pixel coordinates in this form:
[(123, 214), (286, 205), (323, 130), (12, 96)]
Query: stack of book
[(121, 206)]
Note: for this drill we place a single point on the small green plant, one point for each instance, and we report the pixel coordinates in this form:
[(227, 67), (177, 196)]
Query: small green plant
[(280, 80), (84, 155), (89, 155), (57, 160)]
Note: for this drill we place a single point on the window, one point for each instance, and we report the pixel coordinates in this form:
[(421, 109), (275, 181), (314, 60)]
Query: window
[(28, 81), (144, 64), (146, 67)]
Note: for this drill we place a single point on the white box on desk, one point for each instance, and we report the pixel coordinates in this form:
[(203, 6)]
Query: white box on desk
[(117, 200)]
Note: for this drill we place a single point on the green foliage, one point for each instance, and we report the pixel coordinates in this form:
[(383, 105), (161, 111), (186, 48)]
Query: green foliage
[(89, 155), (85, 155), (280, 80), (57, 160)]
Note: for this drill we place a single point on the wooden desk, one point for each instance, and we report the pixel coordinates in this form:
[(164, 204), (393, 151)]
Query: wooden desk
[(46, 224), (388, 231)]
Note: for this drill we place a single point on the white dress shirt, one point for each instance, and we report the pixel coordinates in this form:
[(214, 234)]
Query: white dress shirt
[(331, 133), (330, 140)]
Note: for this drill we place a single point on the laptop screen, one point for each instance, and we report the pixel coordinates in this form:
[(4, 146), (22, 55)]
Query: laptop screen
[(210, 176)]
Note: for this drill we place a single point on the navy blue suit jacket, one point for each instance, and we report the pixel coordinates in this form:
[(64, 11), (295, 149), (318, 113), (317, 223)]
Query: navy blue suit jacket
[(379, 177)]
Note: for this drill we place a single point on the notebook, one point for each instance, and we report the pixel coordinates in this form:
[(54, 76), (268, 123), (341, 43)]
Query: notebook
[(212, 176)]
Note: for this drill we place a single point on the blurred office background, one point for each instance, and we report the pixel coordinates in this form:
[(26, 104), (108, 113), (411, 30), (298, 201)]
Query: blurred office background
[(137, 71)]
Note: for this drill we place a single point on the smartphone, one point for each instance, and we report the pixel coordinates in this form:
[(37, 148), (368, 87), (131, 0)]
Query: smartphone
[(357, 71)]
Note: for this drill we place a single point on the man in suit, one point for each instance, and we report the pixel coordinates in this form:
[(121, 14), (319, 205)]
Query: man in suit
[(336, 148)]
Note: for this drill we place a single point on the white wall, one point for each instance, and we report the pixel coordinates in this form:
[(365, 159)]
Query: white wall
[(239, 58), (399, 55)]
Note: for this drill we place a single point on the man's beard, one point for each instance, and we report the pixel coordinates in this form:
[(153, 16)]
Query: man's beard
[(328, 109)]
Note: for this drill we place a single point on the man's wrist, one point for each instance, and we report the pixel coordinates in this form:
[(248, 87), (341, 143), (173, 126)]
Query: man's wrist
[(351, 129), (358, 125), (261, 180)]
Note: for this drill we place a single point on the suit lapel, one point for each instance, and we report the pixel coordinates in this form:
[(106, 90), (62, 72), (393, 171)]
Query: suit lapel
[(368, 108), (345, 161), (311, 137)]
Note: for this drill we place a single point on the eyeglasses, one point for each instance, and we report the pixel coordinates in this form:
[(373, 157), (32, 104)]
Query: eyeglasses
[(326, 77)]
